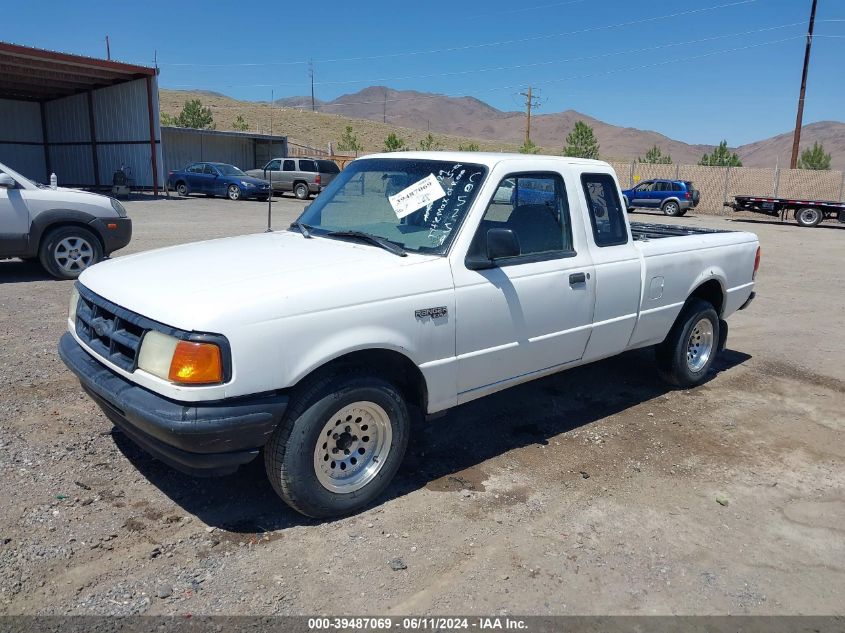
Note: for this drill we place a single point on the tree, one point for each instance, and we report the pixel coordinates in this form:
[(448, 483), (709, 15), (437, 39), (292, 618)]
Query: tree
[(469, 147), (393, 143), (581, 142), (195, 115), (528, 147), (240, 125), (428, 143), (721, 157), (349, 141), (814, 158), (655, 157), (166, 119)]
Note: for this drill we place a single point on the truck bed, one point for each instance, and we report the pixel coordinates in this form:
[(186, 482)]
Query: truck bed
[(649, 231)]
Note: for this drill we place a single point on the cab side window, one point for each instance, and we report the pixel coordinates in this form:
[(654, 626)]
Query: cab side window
[(534, 206), (605, 209)]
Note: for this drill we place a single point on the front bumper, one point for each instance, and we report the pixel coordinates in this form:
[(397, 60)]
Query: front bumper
[(115, 233), (204, 439)]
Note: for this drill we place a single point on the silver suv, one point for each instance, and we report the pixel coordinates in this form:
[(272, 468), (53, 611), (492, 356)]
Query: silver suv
[(303, 176), (67, 230)]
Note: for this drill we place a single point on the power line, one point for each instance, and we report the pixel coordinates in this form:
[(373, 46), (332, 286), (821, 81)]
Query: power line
[(453, 49), (569, 78)]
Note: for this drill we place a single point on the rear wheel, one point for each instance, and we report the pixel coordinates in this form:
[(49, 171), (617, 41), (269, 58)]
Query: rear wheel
[(339, 446), (689, 350), (66, 251), (672, 208), (809, 217), (300, 190), (182, 189), (233, 192)]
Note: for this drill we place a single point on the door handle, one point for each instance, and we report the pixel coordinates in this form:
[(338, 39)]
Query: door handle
[(577, 278)]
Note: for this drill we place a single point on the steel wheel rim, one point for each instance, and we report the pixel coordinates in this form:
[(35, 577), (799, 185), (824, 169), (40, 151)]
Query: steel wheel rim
[(700, 345), (808, 216), (73, 254), (234, 192), (352, 447)]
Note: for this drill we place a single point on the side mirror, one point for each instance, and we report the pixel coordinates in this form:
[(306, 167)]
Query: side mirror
[(499, 244), (7, 182)]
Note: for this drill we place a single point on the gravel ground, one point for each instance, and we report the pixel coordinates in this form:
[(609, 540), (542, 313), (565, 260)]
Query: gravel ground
[(590, 492)]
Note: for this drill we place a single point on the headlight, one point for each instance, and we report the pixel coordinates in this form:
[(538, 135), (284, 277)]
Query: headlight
[(74, 302), (181, 362), (119, 208), (247, 184)]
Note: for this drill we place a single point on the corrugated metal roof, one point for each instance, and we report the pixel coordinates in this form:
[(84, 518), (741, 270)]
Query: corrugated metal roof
[(36, 74)]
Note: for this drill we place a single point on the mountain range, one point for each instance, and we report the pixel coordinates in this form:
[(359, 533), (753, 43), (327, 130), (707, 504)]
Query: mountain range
[(469, 117)]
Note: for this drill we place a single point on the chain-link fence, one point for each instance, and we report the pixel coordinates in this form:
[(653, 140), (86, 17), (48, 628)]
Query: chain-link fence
[(720, 184)]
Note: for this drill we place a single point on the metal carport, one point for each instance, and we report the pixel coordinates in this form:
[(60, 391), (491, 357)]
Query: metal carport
[(79, 117)]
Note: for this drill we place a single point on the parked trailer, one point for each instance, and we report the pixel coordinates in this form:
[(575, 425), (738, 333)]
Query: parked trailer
[(807, 213)]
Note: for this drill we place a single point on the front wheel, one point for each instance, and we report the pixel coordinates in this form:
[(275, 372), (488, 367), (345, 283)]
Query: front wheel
[(689, 350), (339, 446), (808, 217), (301, 191), (66, 251), (672, 208), (233, 192)]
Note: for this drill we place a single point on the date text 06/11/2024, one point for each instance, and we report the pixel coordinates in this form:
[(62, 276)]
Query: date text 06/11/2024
[(431, 623)]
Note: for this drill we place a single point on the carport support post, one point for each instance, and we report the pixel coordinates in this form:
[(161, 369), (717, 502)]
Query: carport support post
[(93, 136), (727, 182), (152, 134), (47, 165), (842, 188)]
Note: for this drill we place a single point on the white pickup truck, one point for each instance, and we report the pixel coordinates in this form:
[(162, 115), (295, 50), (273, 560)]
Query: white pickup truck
[(415, 282)]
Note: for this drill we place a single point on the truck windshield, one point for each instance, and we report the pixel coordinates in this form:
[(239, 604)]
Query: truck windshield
[(417, 204)]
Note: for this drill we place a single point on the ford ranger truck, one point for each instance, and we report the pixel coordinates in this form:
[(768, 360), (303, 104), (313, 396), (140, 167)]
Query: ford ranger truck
[(411, 284)]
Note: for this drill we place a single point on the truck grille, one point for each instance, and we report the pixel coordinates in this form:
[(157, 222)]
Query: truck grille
[(110, 331)]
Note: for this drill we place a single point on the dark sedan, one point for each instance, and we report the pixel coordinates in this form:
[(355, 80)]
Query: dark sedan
[(217, 179)]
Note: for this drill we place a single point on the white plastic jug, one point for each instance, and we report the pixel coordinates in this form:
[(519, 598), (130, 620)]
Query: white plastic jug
[(54, 182)]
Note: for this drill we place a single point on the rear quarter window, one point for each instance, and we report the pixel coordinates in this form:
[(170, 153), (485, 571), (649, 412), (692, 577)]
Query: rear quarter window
[(328, 167), (605, 209), (307, 165)]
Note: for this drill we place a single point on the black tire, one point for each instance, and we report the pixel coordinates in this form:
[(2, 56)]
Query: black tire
[(670, 207), (300, 190), (233, 192), (289, 456), (628, 206), (182, 189), (66, 251), (673, 354), (809, 217)]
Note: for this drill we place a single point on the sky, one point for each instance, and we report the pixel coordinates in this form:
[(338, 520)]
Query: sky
[(696, 70)]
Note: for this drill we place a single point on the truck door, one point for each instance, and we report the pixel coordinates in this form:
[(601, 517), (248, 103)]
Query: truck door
[(617, 267), (287, 174), (530, 312), (14, 221)]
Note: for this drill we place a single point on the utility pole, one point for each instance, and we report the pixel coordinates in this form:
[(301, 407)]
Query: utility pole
[(796, 140), (529, 103), (384, 110), (311, 78), (108, 49)]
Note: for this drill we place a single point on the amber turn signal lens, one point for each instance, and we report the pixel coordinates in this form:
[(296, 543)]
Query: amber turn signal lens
[(196, 364)]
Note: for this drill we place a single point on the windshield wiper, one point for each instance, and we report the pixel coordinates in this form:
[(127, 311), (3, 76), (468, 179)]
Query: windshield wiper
[(303, 228), (381, 242)]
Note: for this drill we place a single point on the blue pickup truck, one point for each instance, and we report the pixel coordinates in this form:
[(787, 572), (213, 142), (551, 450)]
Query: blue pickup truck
[(673, 197)]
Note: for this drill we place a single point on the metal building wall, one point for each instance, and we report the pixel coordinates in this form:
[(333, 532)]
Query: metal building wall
[(121, 135), (20, 138), (182, 146)]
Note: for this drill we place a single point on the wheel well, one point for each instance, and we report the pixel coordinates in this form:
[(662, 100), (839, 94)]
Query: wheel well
[(300, 182), (668, 200), (711, 291), (64, 223), (388, 364)]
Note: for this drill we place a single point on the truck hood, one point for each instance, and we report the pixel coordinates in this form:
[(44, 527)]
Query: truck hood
[(211, 286)]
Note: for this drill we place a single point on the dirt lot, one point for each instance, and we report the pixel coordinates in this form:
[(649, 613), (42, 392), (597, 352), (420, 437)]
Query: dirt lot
[(590, 492)]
